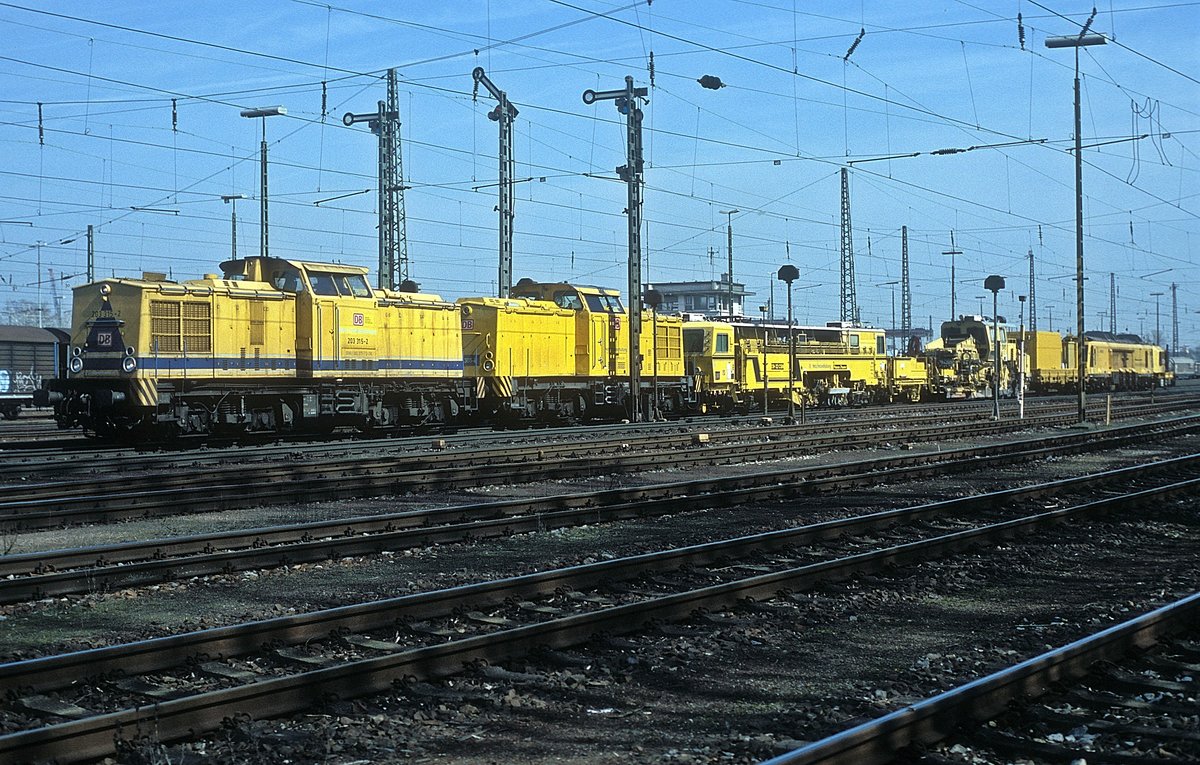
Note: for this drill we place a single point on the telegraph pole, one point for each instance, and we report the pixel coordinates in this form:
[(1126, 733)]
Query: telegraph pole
[(631, 172), (384, 122), (849, 292), (952, 252), (905, 290), (503, 114)]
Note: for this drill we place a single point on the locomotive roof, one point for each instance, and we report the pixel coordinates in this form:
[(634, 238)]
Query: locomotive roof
[(530, 284), (307, 265), (1113, 337)]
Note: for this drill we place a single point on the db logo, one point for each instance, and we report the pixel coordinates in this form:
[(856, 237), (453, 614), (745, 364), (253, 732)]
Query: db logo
[(359, 320), (104, 339)]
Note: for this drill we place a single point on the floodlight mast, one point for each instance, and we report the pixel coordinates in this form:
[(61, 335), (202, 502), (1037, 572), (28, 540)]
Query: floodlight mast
[(631, 172), (1078, 41), (263, 112)]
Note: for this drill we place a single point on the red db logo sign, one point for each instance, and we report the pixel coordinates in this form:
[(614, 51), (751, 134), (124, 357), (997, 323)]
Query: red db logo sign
[(359, 320)]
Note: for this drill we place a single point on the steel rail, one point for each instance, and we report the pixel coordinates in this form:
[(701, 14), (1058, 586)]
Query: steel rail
[(98, 459), (107, 467), (36, 449), (360, 479), (220, 474), (878, 741), (53, 672), (94, 737), (31, 576)]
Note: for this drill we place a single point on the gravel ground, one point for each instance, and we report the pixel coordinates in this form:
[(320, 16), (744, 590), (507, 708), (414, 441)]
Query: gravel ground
[(733, 687), (61, 624), (742, 685)]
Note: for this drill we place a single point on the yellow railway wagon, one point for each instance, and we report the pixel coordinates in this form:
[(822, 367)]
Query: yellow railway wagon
[(1051, 367), (270, 344), (733, 363), (557, 350)]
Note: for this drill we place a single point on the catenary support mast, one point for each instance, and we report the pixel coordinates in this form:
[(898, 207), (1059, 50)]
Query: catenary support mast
[(631, 172)]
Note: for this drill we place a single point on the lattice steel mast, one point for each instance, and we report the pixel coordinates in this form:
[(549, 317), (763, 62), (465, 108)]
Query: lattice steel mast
[(1032, 295), (1174, 321), (393, 235), (905, 290), (849, 292), (1112, 302)]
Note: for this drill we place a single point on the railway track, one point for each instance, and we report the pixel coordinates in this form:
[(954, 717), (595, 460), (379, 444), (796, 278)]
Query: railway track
[(109, 465), (175, 687), (1130, 699), (91, 500), (50, 573), (29, 458)]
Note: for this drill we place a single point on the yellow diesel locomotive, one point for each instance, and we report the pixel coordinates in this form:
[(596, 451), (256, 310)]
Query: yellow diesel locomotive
[(555, 351), (267, 345), (1112, 362)]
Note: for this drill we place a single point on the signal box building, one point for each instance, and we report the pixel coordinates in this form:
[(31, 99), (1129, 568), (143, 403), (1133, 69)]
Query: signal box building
[(708, 298)]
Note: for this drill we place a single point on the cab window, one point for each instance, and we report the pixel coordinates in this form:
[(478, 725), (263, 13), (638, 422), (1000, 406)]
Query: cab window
[(568, 300), (880, 347), (853, 341), (693, 341), (722, 342), (353, 284), (322, 283), (287, 280)]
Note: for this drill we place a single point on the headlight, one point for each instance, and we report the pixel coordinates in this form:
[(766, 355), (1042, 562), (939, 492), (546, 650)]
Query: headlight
[(130, 350), (77, 350), (129, 363), (76, 365), (105, 289)]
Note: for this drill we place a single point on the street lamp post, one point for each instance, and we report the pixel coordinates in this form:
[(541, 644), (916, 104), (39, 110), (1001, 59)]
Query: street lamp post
[(729, 244), (263, 112), (995, 284), (231, 199), (789, 273), (653, 298), (1078, 41)]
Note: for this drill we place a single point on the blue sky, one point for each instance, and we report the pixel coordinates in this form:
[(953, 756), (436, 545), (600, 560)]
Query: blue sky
[(925, 76)]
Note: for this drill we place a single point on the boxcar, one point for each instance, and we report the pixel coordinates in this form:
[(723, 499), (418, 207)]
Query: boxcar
[(28, 357)]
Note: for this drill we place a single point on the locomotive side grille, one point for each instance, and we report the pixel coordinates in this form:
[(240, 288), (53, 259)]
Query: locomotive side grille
[(197, 327), (258, 323), (164, 325), (178, 326)]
